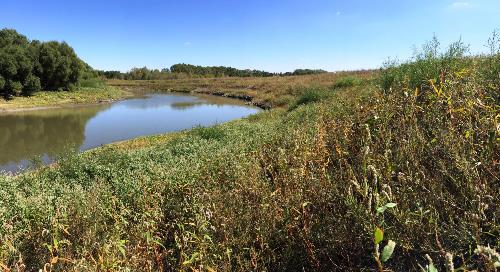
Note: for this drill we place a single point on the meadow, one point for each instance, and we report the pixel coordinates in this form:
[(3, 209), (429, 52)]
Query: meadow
[(390, 170), (266, 92)]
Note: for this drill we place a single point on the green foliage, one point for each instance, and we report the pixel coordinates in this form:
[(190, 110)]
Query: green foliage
[(378, 235), (346, 82), (217, 71), (61, 68), (14, 87), (428, 65), (210, 133), (31, 85), (310, 95), (92, 83), (300, 72), (37, 65), (387, 251), (385, 207), (190, 71)]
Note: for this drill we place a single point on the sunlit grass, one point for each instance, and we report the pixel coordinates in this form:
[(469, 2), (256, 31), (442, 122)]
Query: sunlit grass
[(82, 95)]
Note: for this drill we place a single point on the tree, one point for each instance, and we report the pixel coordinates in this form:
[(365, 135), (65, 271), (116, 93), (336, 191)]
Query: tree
[(2, 83), (16, 63), (31, 85), (60, 67), (27, 67)]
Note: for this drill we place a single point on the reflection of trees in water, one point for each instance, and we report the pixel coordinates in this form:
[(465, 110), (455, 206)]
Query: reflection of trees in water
[(179, 101), (186, 105), (30, 134), (157, 101)]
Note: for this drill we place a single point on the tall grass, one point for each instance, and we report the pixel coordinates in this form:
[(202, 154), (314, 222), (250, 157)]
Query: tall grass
[(402, 175)]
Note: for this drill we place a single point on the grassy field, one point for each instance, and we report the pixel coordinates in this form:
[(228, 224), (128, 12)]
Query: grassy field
[(265, 92), (394, 171), (83, 95)]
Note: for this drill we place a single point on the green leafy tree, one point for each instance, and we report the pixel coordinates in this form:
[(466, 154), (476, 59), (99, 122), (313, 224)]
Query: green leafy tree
[(31, 85), (29, 66), (60, 67)]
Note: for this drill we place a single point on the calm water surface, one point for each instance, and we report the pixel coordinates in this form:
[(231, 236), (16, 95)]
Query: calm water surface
[(46, 134)]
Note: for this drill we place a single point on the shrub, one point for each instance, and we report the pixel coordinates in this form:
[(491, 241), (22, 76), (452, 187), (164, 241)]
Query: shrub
[(308, 96), (428, 65), (14, 87), (209, 133), (346, 82), (92, 83)]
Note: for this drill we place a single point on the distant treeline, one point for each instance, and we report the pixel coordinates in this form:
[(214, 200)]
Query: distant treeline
[(29, 66), (188, 70)]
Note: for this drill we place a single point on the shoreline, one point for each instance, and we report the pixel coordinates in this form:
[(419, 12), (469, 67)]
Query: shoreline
[(132, 91), (59, 106), (248, 99), (56, 100)]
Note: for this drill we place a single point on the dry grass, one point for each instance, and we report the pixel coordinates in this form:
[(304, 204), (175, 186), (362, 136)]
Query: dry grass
[(262, 91)]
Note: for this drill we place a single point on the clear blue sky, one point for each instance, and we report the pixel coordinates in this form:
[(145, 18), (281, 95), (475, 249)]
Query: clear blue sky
[(271, 35)]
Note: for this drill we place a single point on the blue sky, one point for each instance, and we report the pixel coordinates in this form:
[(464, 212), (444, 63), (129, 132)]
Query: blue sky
[(271, 35)]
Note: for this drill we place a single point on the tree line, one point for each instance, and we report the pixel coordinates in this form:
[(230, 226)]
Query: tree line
[(30, 66), (188, 70)]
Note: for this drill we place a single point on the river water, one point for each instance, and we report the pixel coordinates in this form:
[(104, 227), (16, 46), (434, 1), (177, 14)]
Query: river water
[(45, 134)]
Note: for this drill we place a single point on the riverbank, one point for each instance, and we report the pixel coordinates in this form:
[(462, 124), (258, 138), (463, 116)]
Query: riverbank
[(263, 92), (47, 100)]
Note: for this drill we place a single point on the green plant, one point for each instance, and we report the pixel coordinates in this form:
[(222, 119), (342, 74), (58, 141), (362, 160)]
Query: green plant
[(92, 83), (346, 82), (210, 133), (308, 96)]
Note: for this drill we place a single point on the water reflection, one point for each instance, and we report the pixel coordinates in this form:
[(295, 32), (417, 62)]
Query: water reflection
[(48, 133), (26, 135)]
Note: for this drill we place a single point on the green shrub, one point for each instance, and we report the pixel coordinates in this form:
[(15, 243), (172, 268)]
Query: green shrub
[(308, 96), (346, 82), (14, 87), (209, 133), (428, 65), (92, 83)]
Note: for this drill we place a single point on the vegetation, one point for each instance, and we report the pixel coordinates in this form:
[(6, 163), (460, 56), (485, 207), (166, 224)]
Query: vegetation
[(265, 92), (309, 95), (348, 81), (191, 71), (301, 72), (398, 173), (30, 66), (83, 95)]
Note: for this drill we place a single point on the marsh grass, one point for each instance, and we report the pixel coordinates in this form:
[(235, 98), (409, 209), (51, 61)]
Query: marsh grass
[(407, 165), (268, 92)]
